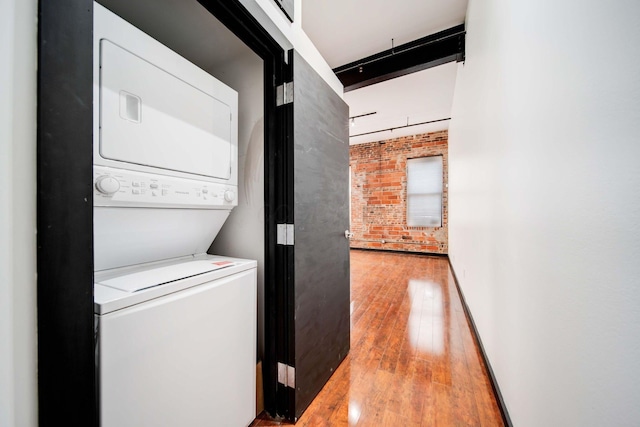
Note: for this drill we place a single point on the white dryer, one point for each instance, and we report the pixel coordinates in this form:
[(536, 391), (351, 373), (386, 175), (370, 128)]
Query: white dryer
[(175, 327)]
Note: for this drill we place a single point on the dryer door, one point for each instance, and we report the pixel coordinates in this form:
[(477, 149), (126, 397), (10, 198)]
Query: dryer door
[(150, 117)]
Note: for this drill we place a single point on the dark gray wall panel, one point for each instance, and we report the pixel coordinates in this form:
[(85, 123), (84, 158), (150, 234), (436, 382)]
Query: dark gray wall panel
[(321, 212)]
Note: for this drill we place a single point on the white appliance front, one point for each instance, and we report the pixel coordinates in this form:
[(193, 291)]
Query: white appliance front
[(165, 149), (176, 328), (179, 128), (156, 111), (178, 358), (140, 217)]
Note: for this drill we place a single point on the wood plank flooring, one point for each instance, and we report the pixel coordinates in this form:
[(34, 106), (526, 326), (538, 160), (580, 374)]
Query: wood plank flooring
[(413, 359)]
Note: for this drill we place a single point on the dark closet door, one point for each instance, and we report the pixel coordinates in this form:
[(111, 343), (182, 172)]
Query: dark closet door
[(320, 291)]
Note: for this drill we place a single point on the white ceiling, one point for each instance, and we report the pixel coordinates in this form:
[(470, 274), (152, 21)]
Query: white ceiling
[(345, 31), (415, 98)]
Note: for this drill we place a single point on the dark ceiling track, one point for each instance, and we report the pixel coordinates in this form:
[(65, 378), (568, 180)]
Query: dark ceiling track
[(287, 7), (363, 115), (400, 127), (430, 51)]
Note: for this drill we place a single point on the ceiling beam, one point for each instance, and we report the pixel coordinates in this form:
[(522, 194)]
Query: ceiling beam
[(430, 51)]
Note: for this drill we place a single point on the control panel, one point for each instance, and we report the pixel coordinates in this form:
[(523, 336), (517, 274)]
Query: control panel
[(119, 187)]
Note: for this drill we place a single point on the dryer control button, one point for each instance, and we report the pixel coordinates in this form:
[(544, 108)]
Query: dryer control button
[(107, 184), (229, 196)]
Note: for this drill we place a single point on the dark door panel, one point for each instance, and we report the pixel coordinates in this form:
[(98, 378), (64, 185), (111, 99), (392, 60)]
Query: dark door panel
[(321, 216)]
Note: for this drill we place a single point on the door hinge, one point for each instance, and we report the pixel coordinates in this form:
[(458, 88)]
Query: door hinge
[(287, 375), (284, 94), (285, 234)]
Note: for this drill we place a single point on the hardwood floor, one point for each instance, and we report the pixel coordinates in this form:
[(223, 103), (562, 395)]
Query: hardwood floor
[(413, 359)]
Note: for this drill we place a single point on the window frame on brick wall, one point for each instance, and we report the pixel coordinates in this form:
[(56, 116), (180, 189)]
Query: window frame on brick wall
[(430, 191)]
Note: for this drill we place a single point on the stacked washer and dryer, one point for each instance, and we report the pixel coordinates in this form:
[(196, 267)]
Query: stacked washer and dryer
[(175, 327)]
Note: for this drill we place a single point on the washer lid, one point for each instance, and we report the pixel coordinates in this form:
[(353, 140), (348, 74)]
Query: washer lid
[(135, 282), (206, 268)]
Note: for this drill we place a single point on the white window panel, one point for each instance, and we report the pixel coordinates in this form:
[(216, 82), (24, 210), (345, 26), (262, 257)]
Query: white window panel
[(424, 192)]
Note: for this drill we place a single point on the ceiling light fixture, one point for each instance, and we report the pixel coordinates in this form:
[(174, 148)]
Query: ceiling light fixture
[(353, 118)]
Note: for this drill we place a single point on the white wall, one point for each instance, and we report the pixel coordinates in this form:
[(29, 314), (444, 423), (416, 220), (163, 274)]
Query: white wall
[(242, 235), (18, 391), (544, 193)]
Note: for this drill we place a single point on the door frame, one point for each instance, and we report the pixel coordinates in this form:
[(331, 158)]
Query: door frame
[(67, 388)]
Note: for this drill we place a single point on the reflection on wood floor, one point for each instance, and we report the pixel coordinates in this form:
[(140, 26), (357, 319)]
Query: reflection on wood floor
[(413, 360)]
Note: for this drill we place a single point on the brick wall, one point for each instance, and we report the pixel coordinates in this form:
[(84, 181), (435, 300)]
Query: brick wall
[(379, 193)]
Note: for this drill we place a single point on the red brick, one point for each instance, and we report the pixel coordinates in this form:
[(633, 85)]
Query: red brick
[(378, 204)]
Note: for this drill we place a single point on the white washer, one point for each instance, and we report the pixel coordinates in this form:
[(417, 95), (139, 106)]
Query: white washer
[(181, 353)]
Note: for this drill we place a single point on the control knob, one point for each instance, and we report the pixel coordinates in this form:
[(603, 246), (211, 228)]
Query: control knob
[(229, 196), (106, 184)]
